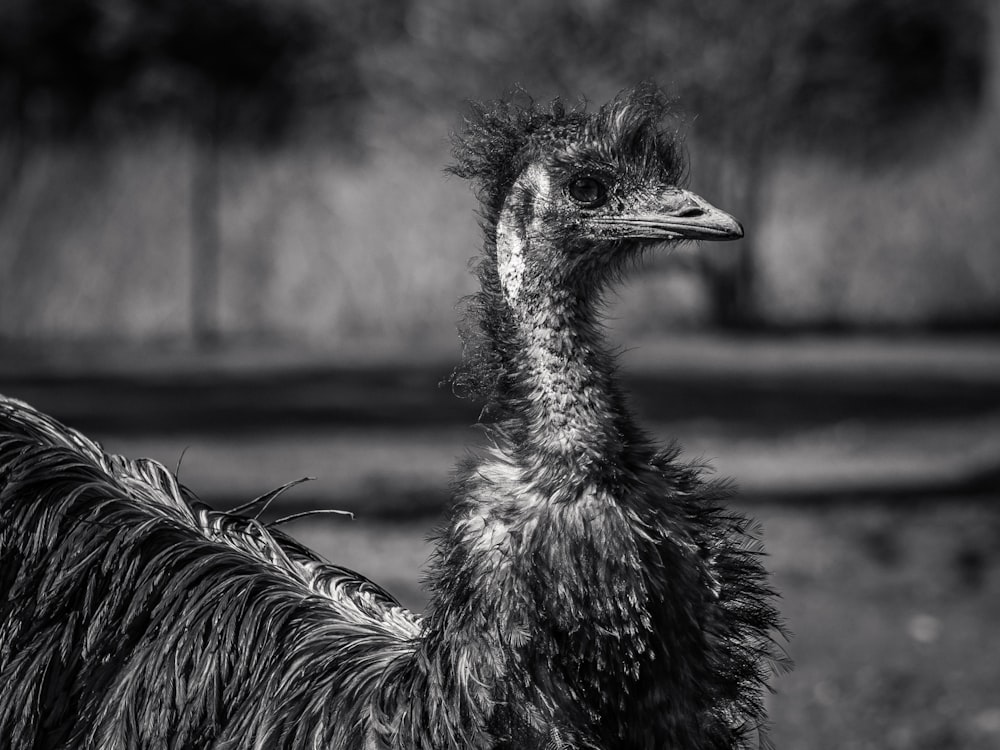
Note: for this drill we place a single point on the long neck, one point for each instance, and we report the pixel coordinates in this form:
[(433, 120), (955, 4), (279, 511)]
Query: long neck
[(558, 388), (561, 391)]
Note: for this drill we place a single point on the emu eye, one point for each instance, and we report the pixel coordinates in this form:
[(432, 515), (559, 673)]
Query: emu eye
[(588, 191)]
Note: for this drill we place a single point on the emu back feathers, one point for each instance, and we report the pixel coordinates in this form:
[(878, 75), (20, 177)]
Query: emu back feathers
[(132, 616)]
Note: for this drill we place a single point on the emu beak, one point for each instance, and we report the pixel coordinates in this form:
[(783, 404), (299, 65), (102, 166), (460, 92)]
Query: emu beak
[(677, 214)]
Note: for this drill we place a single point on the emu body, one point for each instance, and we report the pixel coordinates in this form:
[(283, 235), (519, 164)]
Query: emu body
[(587, 591)]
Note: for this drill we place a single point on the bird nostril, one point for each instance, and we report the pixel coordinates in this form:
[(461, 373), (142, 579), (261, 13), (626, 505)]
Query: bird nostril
[(690, 210)]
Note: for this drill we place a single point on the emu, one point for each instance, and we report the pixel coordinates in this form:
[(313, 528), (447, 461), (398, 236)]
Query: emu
[(588, 590)]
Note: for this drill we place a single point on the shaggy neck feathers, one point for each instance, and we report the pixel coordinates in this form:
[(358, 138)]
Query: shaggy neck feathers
[(557, 390), (563, 395)]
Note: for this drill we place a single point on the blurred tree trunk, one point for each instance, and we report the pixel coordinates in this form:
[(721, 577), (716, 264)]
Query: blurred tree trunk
[(15, 144), (729, 269), (15, 148), (206, 235), (993, 69), (733, 174)]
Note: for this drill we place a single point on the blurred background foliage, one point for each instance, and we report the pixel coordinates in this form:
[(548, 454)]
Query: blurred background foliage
[(189, 171)]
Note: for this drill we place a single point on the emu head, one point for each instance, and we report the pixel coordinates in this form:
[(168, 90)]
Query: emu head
[(568, 196)]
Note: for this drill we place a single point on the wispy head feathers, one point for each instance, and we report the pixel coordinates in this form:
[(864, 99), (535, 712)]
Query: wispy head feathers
[(501, 138)]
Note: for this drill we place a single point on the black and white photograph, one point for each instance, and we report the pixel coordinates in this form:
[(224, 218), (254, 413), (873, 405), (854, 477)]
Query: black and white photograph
[(499, 375)]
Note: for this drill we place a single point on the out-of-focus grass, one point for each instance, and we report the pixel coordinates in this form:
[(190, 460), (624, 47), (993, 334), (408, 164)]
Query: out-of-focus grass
[(372, 246), (316, 245), (886, 244), (895, 610)]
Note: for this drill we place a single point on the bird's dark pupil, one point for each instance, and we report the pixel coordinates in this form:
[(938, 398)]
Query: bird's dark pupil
[(588, 191)]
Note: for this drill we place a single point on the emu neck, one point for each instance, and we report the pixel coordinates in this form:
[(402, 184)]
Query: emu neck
[(559, 387), (563, 395)]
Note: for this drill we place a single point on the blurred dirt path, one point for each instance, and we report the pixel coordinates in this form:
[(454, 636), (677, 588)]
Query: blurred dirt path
[(791, 419)]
